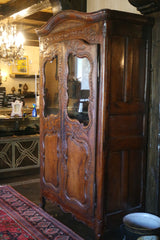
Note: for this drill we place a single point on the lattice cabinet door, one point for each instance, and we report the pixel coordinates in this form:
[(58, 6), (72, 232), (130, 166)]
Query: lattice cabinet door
[(20, 152)]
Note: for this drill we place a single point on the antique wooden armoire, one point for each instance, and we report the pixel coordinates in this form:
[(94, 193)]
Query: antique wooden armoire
[(94, 70)]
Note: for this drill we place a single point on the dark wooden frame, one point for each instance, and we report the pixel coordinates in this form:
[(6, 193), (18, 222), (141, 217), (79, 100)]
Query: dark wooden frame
[(122, 116)]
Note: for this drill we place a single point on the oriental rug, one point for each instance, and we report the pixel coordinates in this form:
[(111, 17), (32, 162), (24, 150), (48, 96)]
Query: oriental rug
[(20, 219)]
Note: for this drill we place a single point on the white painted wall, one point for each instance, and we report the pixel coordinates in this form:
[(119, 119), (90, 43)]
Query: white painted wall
[(121, 5)]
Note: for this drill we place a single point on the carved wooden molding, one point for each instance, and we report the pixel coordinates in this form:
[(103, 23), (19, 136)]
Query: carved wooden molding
[(146, 6)]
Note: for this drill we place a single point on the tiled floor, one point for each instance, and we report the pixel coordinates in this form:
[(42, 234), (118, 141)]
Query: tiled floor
[(29, 186)]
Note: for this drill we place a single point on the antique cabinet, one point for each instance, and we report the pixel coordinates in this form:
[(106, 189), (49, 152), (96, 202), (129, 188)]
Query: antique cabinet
[(94, 70)]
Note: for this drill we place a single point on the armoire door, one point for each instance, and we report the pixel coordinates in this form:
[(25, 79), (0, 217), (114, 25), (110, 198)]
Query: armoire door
[(79, 127), (69, 126), (126, 163), (50, 140)]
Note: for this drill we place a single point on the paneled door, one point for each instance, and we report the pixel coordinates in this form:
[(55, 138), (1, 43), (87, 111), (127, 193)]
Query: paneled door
[(69, 125)]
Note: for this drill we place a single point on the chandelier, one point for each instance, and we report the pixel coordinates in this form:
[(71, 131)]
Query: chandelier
[(11, 43)]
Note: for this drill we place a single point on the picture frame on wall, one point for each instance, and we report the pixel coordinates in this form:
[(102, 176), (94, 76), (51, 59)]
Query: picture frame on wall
[(20, 66)]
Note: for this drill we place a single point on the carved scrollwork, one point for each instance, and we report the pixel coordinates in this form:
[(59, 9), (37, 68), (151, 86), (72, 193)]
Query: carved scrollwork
[(89, 34), (76, 46), (77, 134), (146, 6), (51, 124), (50, 51), (83, 158), (76, 130)]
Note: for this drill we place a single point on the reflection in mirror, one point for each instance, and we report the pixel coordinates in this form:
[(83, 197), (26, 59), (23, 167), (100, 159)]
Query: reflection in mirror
[(78, 88), (51, 87)]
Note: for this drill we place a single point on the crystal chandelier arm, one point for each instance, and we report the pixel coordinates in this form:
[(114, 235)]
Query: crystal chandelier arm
[(11, 43)]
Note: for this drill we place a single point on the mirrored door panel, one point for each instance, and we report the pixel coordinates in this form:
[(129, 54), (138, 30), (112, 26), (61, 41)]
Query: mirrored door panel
[(51, 95), (78, 88)]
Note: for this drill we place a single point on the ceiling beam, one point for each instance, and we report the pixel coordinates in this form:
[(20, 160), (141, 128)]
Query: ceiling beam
[(18, 9), (27, 24), (31, 43), (29, 15), (79, 5), (40, 16), (16, 6), (146, 6), (31, 36)]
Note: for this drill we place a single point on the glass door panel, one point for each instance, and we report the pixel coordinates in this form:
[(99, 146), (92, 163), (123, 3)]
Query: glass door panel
[(51, 96), (78, 88)]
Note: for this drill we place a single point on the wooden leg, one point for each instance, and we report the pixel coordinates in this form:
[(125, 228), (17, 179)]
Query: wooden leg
[(99, 230), (43, 202)]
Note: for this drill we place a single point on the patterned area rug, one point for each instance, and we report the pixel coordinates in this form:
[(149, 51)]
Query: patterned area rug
[(21, 219)]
